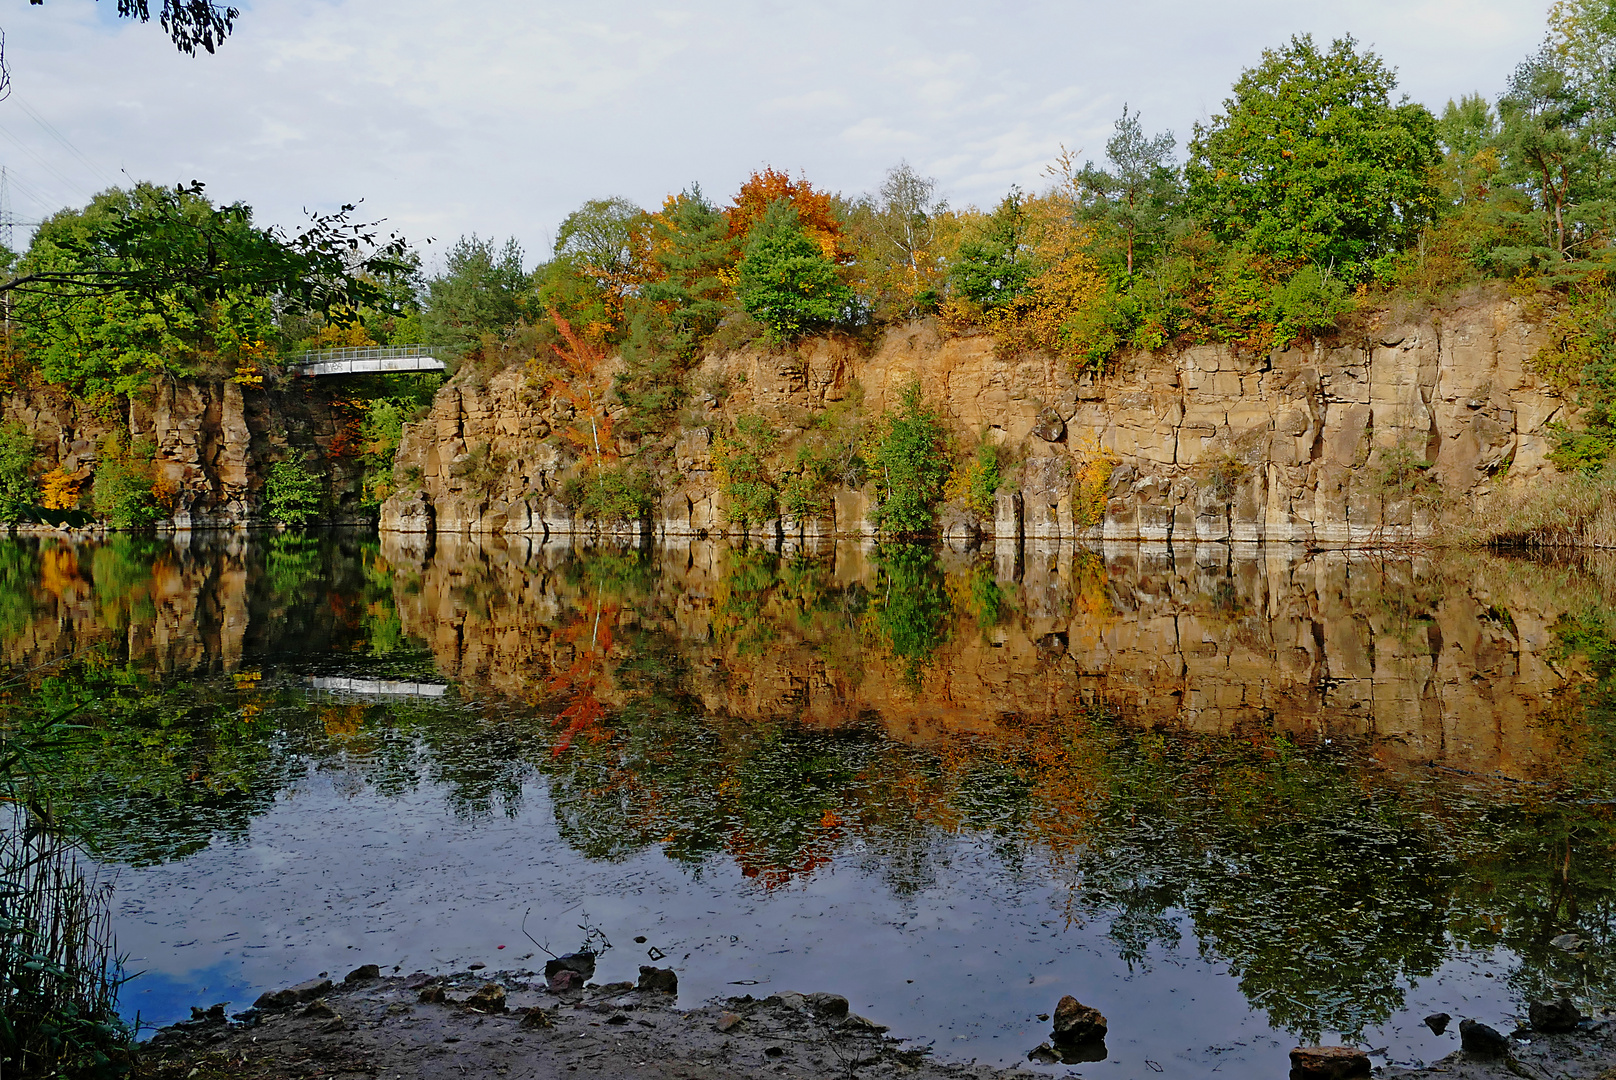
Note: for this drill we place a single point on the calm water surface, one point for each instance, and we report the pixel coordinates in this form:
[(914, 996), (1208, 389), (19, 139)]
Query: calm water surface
[(1235, 799)]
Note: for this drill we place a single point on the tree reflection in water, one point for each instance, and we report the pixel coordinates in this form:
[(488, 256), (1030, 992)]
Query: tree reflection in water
[(758, 715)]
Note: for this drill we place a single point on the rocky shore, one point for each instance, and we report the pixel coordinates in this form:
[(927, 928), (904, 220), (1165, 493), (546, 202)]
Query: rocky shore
[(525, 1025), (511, 1024)]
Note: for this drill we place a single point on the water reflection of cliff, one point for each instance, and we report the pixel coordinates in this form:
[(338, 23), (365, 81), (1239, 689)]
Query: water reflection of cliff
[(1147, 726), (194, 606), (1166, 731), (1446, 659)]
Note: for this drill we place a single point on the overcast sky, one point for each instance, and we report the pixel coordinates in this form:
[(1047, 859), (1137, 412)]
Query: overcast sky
[(500, 116)]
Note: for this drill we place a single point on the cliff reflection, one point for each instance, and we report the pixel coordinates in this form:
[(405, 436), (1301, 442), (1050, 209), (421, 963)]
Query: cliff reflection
[(1331, 770)]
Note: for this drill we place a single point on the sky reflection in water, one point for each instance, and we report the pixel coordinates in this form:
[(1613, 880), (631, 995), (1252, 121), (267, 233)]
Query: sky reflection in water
[(1231, 801)]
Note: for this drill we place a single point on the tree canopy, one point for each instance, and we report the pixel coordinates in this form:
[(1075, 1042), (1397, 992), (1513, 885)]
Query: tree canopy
[(1311, 161), (480, 291), (161, 280), (786, 281), (190, 24)]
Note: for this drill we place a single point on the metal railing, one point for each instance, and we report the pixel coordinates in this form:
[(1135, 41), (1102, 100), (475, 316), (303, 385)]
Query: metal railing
[(372, 359), (379, 687)]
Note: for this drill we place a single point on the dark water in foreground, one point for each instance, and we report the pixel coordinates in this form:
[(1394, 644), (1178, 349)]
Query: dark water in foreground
[(1233, 799)]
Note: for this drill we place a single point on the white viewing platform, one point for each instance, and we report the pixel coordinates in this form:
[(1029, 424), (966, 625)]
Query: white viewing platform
[(376, 360), (379, 687)]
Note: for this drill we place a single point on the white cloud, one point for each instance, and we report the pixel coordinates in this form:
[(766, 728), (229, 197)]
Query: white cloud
[(502, 116)]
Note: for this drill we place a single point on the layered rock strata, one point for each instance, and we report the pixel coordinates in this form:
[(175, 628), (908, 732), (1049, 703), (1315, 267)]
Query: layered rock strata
[(1321, 445)]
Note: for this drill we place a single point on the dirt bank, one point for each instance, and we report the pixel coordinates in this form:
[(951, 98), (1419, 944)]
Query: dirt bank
[(509, 1025)]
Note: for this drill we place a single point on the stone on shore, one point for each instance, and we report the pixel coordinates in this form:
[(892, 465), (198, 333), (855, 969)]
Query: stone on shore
[(1554, 1016), (828, 1006), (293, 995), (660, 980), (1077, 1023), (1328, 1063), (363, 973), (581, 962), (1483, 1041), (565, 981)]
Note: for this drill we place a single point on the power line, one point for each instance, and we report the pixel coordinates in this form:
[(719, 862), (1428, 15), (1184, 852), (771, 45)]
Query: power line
[(41, 162), (45, 205), (51, 130)]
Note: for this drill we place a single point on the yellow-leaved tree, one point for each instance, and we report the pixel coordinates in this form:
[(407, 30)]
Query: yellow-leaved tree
[(1023, 274)]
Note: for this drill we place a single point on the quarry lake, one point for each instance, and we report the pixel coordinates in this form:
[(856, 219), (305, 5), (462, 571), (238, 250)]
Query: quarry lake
[(1234, 798)]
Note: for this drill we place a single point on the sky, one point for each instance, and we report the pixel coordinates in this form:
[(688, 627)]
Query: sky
[(499, 117)]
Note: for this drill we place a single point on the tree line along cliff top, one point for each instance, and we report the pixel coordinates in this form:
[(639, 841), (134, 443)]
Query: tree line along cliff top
[(1315, 192)]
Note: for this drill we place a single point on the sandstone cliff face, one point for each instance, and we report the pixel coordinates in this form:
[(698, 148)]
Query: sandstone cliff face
[(1201, 445), (215, 441)]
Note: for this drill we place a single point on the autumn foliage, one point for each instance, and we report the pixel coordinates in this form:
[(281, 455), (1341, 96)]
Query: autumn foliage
[(590, 636), (816, 211), (592, 432), (61, 489)]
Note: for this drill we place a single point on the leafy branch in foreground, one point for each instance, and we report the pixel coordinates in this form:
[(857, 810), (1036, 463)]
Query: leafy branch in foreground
[(190, 24), (163, 241)]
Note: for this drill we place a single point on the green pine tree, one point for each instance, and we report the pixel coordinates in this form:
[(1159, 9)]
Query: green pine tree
[(785, 281)]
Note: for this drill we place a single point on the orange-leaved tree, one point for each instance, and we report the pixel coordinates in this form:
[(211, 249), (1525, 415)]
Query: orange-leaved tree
[(584, 389), (590, 636), (816, 211)]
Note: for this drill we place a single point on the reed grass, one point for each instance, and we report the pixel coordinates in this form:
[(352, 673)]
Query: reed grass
[(59, 971), (59, 968), (1566, 510)]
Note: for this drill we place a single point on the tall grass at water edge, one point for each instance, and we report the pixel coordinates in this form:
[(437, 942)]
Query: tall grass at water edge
[(1568, 510), (59, 969)]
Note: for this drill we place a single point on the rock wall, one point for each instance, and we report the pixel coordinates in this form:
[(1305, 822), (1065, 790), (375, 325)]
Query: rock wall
[(1202, 445), (214, 439)]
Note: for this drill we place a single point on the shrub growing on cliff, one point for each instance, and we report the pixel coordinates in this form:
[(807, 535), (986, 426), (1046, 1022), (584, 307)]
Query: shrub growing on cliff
[(908, 458), (1581, 356), (18, 490), (741, 459), (1403, 473), (1091, 480), (382, 430), (293, 493), (1309, 303), (610, 491), (124, 492), (976, 480), (1023, 274)]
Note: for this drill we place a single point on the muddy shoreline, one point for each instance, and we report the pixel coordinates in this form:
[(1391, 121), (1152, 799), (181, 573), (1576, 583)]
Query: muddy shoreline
[(509, 1024)]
